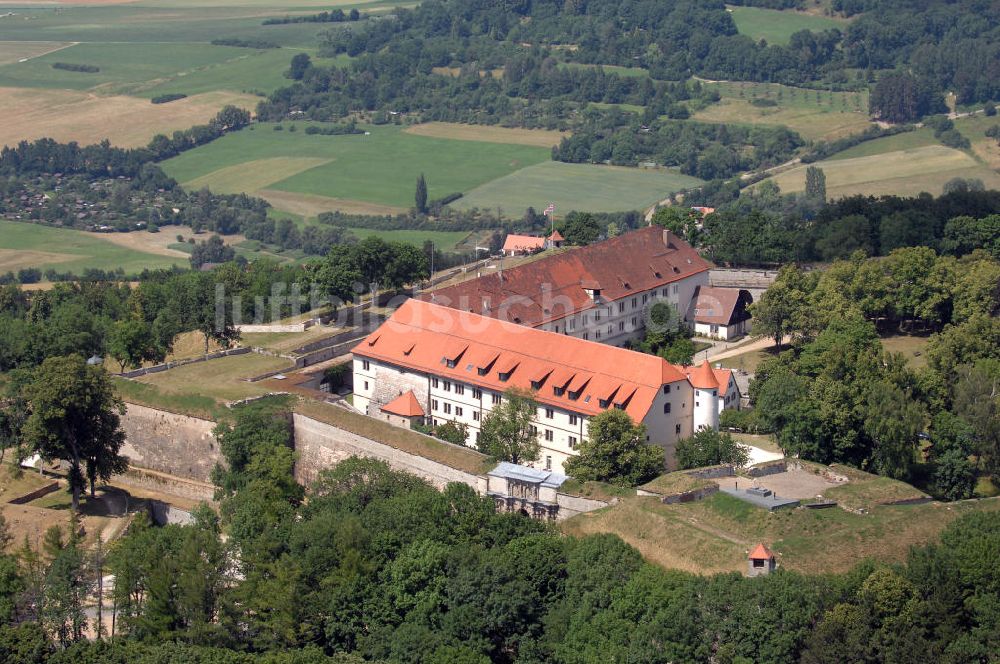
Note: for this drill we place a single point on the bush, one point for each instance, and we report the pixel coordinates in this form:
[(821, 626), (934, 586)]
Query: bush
[(953, 139), (710, 448), (336, 375), (245, 43), (69, 66), (744, 421), (165, 99), (29, 275), (990, 110)]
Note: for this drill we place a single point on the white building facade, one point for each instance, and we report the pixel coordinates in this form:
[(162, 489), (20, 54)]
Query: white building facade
[(461, 374)]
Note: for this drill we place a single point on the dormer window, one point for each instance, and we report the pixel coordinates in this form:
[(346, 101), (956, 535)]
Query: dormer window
[(558, 391), (504, 377), (603, 403)]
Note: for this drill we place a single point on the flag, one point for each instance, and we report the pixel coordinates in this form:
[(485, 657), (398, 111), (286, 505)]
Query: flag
[(550, 209)]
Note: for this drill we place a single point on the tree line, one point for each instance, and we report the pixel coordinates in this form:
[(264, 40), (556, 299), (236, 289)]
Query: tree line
[(838, 396), (379, 566)]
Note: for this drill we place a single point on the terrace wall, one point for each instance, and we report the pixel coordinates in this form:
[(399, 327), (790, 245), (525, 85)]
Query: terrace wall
[(170, 443)]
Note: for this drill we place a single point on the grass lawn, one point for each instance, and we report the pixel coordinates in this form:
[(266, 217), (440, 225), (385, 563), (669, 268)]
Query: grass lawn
[(985, 148), (748, 361), (914, 349), (380, 168), (577, 187), (16, 482), (32, 245), (813, 114), (285, 341), (902, 172), (778, 26), (221, 380), (713, 535)]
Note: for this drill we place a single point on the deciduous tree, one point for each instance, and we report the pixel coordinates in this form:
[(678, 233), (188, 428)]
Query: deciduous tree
[(616, 451), (508, 432)]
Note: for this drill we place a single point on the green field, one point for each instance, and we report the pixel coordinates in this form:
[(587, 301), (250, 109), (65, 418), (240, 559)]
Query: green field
[(777, 27), (577, 187), (815, 114), (911, 140), (31, 245), (380, 168)]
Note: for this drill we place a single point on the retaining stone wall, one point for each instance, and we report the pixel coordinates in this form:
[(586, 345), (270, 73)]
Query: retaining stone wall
[(170, 443)]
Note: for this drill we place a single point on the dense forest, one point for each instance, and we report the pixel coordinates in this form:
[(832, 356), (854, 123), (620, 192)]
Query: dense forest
[(468, 61), (376, 565)]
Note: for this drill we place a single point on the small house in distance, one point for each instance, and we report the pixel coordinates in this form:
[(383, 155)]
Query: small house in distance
[(761, 561), (721, 313), (515, 244)]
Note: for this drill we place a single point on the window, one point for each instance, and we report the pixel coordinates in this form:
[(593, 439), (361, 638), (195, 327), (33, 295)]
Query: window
[(571, 325), (459, 389), (447, 386), (603, 403), (434, 383), (366, 385), (635, 322), (597, 316), (666, 389), (586, 336), (366, 365), (548, 463), (548, 434), (666, 408), (534, 430), (572, 419), (598, 334), (478, 434), (558, 391), (644, 298), (586, 319), (621, 307), (713, 393), (663, 292), (450, 364), (477, 393), (475, 416), (621, 326), (496, 398), (434, 404), (458, 411), (549, 413), (572, 442), (676, 288), (714, 329), (697, 404), (447, 408), (677, 429), (611, 330)]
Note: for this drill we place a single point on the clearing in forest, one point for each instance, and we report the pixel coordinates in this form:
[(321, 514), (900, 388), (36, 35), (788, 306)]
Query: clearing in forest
[(777, 26)]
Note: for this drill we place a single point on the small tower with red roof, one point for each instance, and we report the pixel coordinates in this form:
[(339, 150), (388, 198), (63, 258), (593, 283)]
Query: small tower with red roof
[(761, 561), (706, 397)]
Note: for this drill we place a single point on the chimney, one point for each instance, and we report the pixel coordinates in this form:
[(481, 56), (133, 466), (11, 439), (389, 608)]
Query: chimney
[(668, 237)]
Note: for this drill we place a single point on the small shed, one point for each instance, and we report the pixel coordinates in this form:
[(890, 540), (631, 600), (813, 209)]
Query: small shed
[(761, 561), (404, 410)]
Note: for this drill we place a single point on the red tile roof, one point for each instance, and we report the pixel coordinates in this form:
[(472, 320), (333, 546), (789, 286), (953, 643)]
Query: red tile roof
[(556, 236), (523, 243), (722, 375), (702, 377), (405, 405), (553, 287), (589, 371), (721, 306), (761, 552)]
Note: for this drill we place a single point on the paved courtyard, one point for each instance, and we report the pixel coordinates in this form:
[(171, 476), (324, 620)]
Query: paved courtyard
[(798, 484)]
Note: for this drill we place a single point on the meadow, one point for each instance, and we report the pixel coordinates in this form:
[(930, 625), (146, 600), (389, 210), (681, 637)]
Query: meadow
[(713, 535), (815, 114), (31, 245), (381, 167), (903, 172), (576, 187), (777, 26)]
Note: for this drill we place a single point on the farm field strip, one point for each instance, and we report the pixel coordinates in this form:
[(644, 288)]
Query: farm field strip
[(541, 138), (69, 115), (310, 205), (901, 172), (380, 167), (29, 245), (15, 51), (812, 124), (253, 176), (576, 187)]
